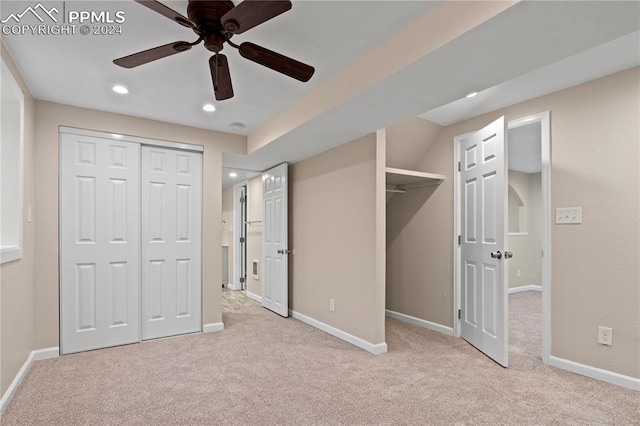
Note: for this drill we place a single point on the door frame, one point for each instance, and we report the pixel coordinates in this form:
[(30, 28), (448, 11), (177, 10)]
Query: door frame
[(234, 283), (544, 118)]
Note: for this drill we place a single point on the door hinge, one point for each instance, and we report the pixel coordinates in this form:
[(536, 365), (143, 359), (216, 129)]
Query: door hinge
[(459, 166), (242, 280), (459, 239), (242, 239), (459, 313), (243, 199)]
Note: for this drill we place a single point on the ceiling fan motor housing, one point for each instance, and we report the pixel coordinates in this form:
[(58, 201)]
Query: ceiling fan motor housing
[(206, 15)]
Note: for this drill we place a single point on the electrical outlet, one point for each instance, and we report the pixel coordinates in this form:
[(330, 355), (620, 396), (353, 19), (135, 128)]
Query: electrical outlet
[(569, 215), (605, 335), (332, 305)]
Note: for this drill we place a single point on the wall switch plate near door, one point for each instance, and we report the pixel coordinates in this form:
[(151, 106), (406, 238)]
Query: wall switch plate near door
[(568, 215)]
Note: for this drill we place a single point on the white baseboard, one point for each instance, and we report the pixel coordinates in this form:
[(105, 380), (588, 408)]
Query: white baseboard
[(254, 296), (209, 328), (13, 387), (596, 373), (525, 288), (378, 348), (420, 322)]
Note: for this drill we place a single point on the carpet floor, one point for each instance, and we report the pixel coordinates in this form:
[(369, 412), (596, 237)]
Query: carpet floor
[(264, 369)]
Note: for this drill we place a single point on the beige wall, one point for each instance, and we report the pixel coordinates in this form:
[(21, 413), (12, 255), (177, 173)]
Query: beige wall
[(408, 141), (16, 278), (527, 247), (254, 232), (332, 230), (595, 133), (227, 228), (49, 116)]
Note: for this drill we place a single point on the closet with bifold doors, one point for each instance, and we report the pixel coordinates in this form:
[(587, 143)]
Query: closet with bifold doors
[(130, 239)]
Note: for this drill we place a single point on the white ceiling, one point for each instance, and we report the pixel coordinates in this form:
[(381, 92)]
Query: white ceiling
[(537, 38), (78, 70), (530, 49), (617, 55)]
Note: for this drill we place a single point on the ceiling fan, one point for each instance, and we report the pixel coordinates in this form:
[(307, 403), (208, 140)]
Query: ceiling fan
[(215, 22)]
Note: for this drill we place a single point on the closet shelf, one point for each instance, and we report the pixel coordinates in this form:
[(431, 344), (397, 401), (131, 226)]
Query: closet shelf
[(399, 180)]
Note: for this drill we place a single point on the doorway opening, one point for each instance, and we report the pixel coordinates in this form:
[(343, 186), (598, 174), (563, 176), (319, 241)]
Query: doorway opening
[(524, 217), (523, 214), (242, 234)]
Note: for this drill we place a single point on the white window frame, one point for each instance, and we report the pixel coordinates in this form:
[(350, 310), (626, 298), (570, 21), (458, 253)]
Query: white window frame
[(15, 251)]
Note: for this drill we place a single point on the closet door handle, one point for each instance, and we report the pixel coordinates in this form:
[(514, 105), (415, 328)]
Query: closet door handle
[(508, 255), (496, 254)]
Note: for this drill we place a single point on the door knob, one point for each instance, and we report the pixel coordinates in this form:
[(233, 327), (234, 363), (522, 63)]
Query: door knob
[(496, 254), (508, 255), (284, 251)]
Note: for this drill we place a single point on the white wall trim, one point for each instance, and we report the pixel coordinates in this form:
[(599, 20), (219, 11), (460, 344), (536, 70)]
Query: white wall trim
[(46, 353), (596, 373), (129, 138), (209, 328), (379, 348), (15, 250), (525, 288), (254, 296), (33, 356), (420, 322)]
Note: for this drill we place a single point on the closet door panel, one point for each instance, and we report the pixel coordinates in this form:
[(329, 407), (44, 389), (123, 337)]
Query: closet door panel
[(171, 242), (99, 243)]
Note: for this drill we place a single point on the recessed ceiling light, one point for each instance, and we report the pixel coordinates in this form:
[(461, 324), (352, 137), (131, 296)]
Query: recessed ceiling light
[(209, 107), (472, 94), (233, 174), (120, 89)]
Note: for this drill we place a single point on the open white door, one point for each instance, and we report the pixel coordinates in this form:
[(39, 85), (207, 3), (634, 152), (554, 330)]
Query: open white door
[(483, 217), (171, 210), (99, 243), (275, 291)]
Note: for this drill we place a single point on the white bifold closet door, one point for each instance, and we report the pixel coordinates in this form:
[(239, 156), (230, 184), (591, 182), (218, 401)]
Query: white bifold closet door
[(99, 243), (130, 242), (171, 242)]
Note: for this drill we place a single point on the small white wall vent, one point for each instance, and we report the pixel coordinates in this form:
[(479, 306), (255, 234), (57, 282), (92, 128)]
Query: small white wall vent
[(255, 267)]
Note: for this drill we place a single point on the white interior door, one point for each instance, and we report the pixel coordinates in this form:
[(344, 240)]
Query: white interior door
[(99, 243), (483, 247), (171, 212), (275, 283)]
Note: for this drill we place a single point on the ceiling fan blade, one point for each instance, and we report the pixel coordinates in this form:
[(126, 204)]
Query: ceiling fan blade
[(276, 61), (132, 61), (221, 77), (250, 13), (167, 11)]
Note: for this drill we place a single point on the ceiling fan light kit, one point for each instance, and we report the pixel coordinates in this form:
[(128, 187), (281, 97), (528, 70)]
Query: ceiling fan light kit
[(215, 22)]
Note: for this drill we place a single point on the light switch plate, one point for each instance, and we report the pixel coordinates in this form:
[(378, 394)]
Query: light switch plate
[(568, 215)]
